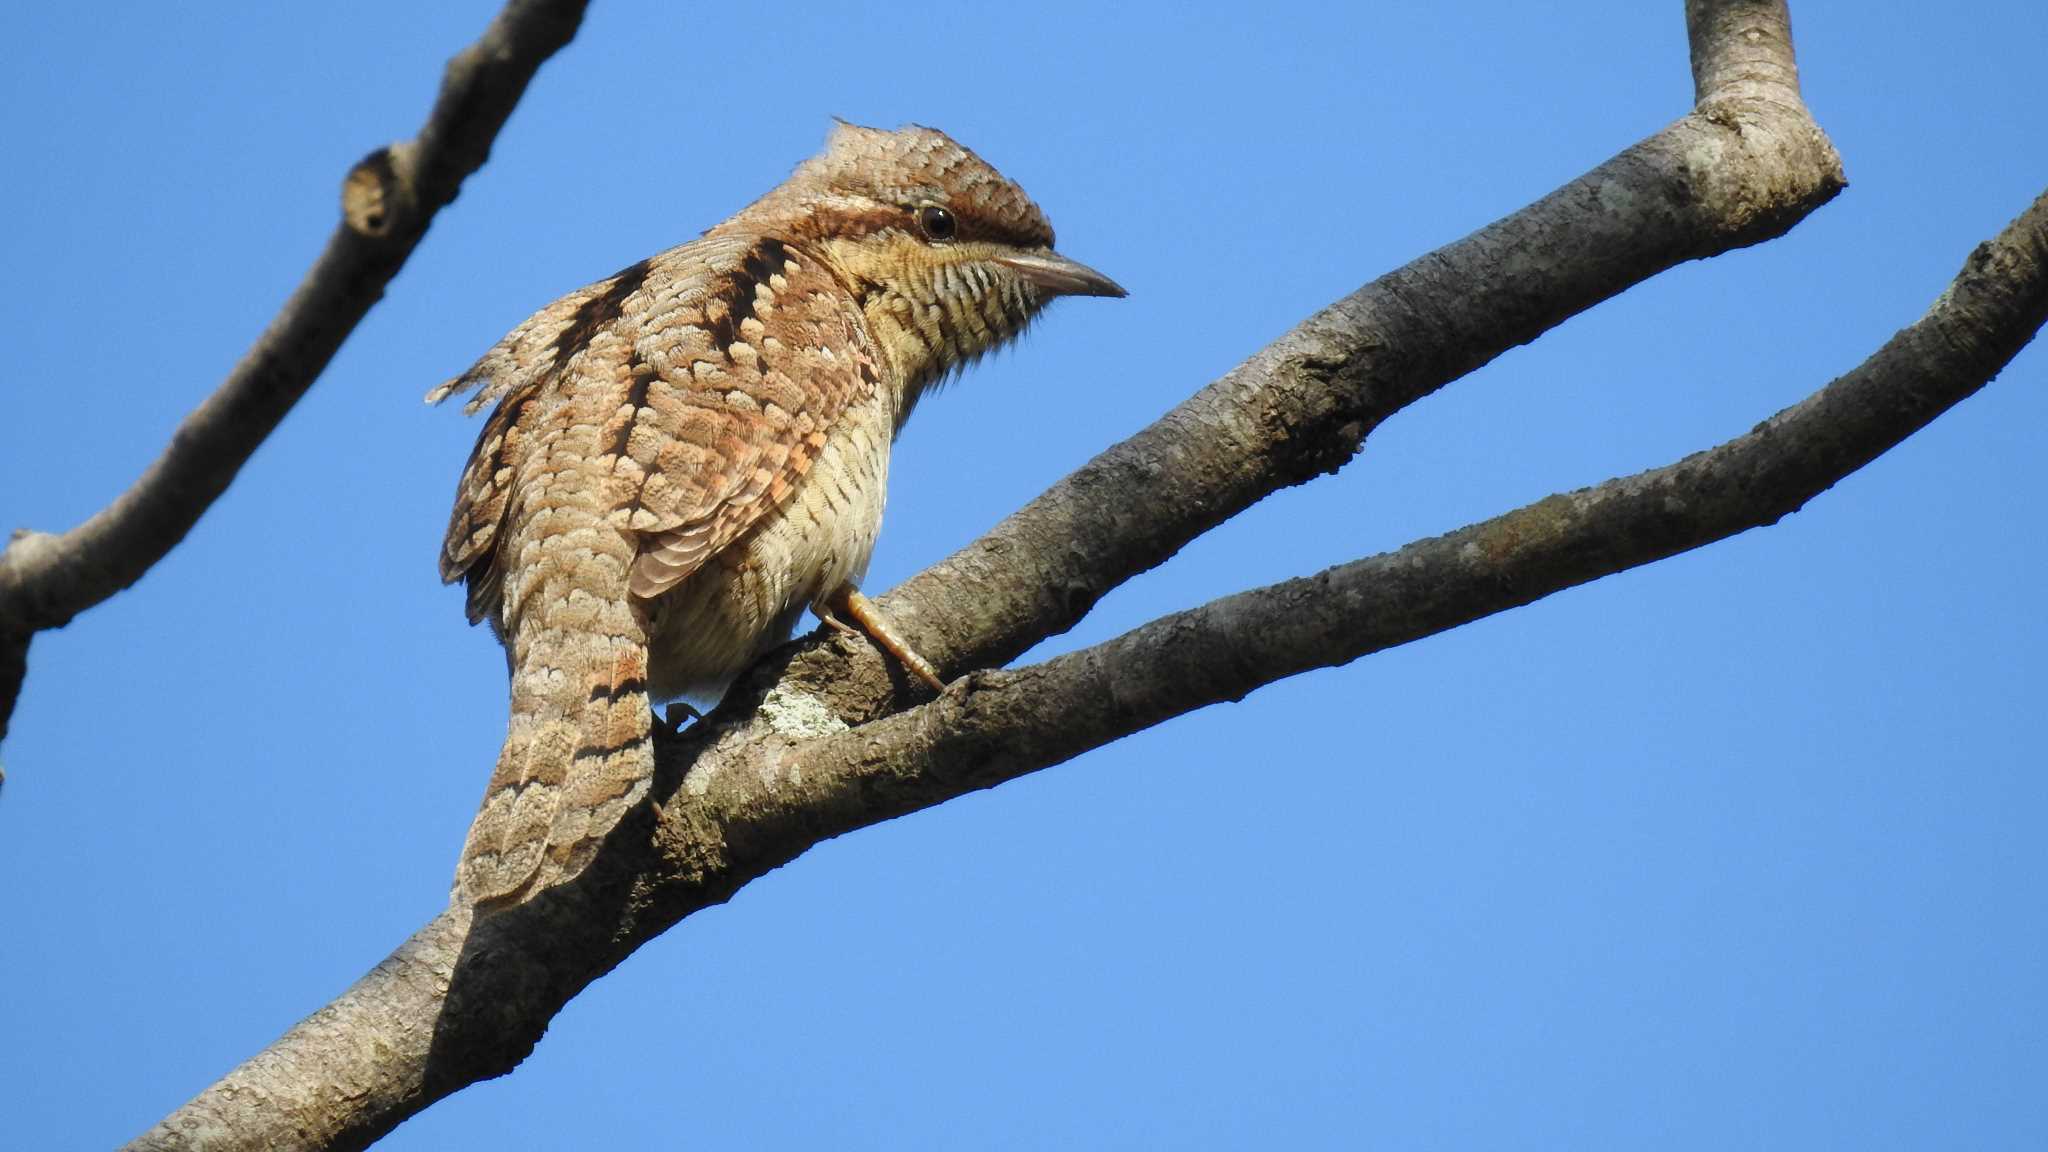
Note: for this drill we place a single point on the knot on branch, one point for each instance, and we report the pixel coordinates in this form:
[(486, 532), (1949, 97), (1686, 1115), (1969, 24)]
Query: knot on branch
[(378, 191), (26, 569)]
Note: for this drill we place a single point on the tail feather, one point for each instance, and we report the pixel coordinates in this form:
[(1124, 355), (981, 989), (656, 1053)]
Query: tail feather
[(614, 759), (578, 754)]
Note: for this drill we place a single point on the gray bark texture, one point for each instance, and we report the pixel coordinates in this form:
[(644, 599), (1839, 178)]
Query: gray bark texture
[(825, 737)]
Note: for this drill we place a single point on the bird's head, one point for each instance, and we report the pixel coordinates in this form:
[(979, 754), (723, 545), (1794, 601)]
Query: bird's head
[(948, 258)]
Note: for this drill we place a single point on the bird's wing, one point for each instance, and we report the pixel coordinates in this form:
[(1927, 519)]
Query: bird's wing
[(522, 375), (735, 394), (712, 372)]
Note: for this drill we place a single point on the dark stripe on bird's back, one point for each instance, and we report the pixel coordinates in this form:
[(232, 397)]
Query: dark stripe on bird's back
[(597, 313), (640, 375), (722, 317), (735, 303)]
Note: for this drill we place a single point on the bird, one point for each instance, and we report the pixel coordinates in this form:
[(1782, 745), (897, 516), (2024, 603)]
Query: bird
[(684, 456)]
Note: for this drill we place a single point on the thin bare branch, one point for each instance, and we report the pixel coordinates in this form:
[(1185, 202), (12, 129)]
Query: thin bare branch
[(388, 200)]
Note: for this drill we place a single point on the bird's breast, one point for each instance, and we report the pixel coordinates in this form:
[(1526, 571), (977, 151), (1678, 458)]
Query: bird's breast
[(747, 598)]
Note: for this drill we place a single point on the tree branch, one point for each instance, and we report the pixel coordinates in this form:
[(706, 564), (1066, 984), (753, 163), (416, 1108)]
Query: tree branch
[(1745, 166), (776, 770), (388, 200), (995, 726)]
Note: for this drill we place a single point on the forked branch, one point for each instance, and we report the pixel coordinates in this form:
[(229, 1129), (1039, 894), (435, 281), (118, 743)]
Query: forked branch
[(999, 725), (817, 741)]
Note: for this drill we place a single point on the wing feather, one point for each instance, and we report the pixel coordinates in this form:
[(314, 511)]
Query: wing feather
[(714, 372)]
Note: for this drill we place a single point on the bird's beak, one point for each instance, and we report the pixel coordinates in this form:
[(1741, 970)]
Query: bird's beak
[(1060, 276)]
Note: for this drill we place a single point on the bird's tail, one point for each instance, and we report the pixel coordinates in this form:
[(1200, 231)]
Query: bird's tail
[(579, 749)]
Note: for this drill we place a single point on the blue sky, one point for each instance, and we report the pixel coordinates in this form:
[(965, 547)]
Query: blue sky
[(1741, 849)]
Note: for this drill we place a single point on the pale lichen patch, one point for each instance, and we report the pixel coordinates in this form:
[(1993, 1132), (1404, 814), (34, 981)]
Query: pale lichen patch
[(799, 715)]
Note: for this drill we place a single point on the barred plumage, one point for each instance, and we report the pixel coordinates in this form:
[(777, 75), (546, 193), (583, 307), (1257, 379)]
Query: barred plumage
[(684, 456)]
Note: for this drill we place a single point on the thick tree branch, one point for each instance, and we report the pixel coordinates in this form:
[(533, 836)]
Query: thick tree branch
[(776, 770), (1744, 167), (998, 725), (387, 201)]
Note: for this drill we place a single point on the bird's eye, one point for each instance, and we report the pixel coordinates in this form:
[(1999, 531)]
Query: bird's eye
[(936, 221)]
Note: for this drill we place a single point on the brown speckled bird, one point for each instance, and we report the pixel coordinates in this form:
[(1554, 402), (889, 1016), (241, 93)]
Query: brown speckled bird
[(686, 455)]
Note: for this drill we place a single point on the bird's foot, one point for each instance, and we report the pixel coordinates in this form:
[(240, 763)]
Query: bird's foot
[(868, 620)]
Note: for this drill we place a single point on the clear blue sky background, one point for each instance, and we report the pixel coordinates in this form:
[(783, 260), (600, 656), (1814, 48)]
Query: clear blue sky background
[(1743, 849)]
